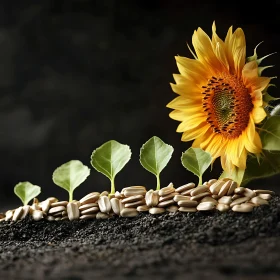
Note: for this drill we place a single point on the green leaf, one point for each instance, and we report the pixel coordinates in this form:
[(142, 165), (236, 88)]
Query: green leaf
[(26, 191), (70, 175), (276, 110), (110, 158), (154, 156), (268, 98), (270, 134), (197, 161), (269, 166)]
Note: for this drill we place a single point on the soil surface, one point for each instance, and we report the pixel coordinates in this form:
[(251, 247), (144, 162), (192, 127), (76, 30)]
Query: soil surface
[(168, 246)]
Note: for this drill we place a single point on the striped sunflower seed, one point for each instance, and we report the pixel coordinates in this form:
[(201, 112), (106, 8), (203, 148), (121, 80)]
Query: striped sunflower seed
[(87, 206), (59, 203), (249, 193), (166, 203), (90, 198), (57, 209), (244, 207), (215, 188), (199, 190), (185, 187), (17, 214), (88, 217), (37, 215), (26, 211), (225, 200), (9, 215), (187, 192), (129, 212), (224, 189), (166, 190), (232, 187), (199, 196), (89, 211), (179, 197), (152, 198), (156, 210), (264, 192), (132, 198), (205, 206), (239, 190), (104, 204), (222, 207), (239, 201), (45, 205), (135, 204), (172, 208), (167, 197), (117, 206), (187, 203), (73, 211), (143, 208), (259, 201), (209, 199), (102, 216), (265, 196), (187, 209)]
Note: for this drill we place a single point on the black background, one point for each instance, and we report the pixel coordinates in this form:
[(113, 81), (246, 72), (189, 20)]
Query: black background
[(75, 74)]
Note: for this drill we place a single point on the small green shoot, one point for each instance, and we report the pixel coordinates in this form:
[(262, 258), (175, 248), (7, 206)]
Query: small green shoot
[(197, 161), (26, 191), (70, 175), (270, 133), (110, 158), (154, 156)]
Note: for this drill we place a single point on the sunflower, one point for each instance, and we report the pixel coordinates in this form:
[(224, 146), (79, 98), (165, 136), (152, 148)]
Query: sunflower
[(220, 98)]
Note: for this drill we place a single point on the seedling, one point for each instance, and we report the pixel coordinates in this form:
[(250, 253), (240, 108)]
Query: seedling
[(110, 158), (26, 191), (197, 161), (154, 156), (70, 175)]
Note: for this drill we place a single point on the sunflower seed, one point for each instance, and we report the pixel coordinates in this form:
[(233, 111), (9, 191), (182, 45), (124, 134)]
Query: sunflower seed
[(90, 198), (17, 214), (156, 210), (52, 199), (117, 206), (185, 187), (102, 216), (87, 206), (239, 201), (64, 218), (167, 190), (167, 197), (59, 203), (133, 188), (132, 199), (57, 219), (26, 210), (232, 187), (187, 192), (244, 207), (179, 197), (258, 201), (73, 211), (129, 212), (266, 196), (92, 210), (111, 195), (205, 206), (172, 208), (187, 203), (209, 199), (166, 203), (58, 214), (132, 192), (9, 215), (57, 209), (104, 204), (105, 193), (249, 193), (222, 207), (211, 182), (119, 195), (225, 200), (35, 206), (143, 208), (50, 218), (88, 217), (152, 198), (216, 187), (35, 200), (199, 190), (37, 215), (45, 205), (236, 196), (239, 190), (187, 209), (224, 189), (264, 192), (215, 196), (135, 204), (199, 196)]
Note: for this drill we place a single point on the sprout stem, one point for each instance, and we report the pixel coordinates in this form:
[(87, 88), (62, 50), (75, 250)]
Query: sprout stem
[(200, 180), (113, 186), (158, 183), (70, 196)]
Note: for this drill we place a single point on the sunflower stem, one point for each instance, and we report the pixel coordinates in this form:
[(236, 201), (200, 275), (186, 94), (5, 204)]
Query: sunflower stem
[(113, 186), (200, 180)]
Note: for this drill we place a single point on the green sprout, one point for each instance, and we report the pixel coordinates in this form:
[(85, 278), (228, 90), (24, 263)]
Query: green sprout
[(197, 161), (70, 175), (109, 159), (26, 191), (154, 156)]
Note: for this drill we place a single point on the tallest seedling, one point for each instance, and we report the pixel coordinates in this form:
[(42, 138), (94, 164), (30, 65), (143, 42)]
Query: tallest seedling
[(221, 98)]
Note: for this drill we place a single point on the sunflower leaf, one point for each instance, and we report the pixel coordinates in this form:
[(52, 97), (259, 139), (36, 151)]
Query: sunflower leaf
[(197, 161), (70, 175), (110, 158), (237, 175), (26, 191), (154, 156), (269, 166), (270, 134)]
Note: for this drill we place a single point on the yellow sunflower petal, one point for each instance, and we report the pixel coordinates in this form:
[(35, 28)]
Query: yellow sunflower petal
[(195, 132), (258, 114)]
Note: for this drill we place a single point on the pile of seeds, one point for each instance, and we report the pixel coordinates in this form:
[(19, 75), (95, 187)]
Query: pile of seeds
[(222, 195)]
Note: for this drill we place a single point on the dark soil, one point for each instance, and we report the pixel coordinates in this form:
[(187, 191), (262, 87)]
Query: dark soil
[(169, 246)]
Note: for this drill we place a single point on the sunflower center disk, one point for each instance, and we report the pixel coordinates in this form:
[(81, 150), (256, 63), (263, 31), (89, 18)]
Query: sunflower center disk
[(228, 105)]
